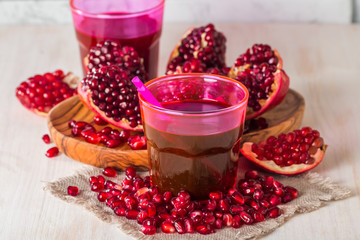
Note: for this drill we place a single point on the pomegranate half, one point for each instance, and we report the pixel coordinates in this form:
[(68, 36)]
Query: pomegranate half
[(201, 49), (260, 70), (288, 154), (109, 92)]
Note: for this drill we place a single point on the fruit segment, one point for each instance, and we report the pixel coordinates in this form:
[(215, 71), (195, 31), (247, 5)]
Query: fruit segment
[(41, 93), (288, 154)]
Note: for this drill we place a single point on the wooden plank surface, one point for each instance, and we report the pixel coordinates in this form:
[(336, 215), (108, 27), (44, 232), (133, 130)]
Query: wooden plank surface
[(321, 60)]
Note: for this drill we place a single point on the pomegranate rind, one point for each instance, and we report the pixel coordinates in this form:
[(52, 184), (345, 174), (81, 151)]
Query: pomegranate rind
[(85, 97), (271, 166), (279, 88)]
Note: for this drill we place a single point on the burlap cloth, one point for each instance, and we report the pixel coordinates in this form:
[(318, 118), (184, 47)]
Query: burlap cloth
[(313, 189)]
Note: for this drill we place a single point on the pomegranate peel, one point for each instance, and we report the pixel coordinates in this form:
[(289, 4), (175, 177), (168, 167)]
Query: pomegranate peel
[(279, 89)]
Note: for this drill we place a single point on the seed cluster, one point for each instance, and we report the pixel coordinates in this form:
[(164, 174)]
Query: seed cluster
[(254, 200), (296, 147), (43, 92), (204, 44), (110, 52)]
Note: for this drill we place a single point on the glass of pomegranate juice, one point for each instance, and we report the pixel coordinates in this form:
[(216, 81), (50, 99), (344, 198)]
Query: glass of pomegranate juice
[(193, 141), (135, 23)]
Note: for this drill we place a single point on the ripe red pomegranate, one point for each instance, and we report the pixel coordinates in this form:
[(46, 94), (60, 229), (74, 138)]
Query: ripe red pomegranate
[(288, 154), (200, 50), (110, 52), (109, 92), (260, 70), (40, 93)]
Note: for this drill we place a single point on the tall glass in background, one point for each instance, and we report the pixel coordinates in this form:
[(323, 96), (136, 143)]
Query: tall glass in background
[(135, 23)]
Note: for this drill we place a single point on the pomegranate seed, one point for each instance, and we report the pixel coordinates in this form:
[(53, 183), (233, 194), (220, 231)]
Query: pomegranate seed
[(52, 152), (274, 200), (258, 217), (292, 191), (99, 121), (189, 225), (273, 212), (151, 209), (113, 143), (246, 218), (185, 196), (236, 209), (120, 211), (97, 187), (148, 230), (101, 179), (109, 172), (112, 185), (102, 196), (218, 223), (251, 174), (142, 216), (237, 197), (216, 195), (131, 214), (73, 190), (179, 226), (167, 227), (46, 138), (130, 172), (227, 219), (224, 205), (93, 179), (137, 142), (203, 229), (236, 223), (130, 202), (72, 123)]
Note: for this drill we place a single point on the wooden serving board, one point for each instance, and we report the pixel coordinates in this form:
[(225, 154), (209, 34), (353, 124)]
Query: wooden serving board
[(283, 118)]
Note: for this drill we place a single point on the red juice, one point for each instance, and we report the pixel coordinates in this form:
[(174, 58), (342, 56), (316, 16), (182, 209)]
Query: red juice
[(199, 164)]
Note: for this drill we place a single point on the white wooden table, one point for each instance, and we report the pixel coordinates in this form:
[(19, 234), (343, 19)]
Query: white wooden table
[(323, 62)]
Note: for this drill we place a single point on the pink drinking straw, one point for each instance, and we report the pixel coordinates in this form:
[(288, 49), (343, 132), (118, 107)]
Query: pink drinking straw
[(145, 93)]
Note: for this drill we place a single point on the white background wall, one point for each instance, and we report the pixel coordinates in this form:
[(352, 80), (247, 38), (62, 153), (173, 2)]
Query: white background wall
[(311, 11)]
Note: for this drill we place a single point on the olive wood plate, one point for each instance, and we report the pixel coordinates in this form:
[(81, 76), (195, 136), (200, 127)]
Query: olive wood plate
[(285, 117)]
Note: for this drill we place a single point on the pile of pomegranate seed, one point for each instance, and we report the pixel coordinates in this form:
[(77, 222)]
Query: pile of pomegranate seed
[(292, 148), (42, 92), (254, 200), (108, 136)]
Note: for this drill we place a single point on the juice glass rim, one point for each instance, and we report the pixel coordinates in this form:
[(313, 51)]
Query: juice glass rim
[(120, 15), (187, 114)]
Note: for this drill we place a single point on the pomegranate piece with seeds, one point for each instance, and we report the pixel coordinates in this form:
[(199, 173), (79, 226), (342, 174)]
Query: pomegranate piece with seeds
[(109, 92), (201, 49), (289, 154), (260, 70), (110, 52), (109, 172), (52, 152), (41, 93), (73, 190)]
